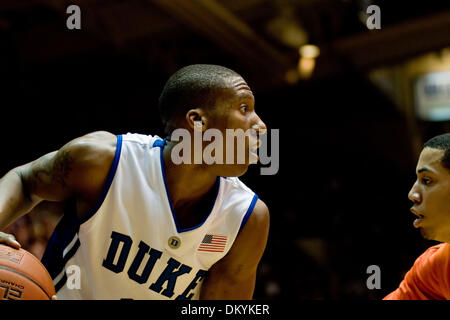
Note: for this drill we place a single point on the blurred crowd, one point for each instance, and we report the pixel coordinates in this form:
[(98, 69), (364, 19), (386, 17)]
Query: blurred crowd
[(34, 230)]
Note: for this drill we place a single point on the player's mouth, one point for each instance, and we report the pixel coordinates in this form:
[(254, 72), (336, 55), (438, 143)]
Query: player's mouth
[(254, 145), (418, 222)]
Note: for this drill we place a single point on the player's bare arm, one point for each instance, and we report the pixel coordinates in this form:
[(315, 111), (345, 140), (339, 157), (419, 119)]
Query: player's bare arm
[(234, 276), (79, 169)]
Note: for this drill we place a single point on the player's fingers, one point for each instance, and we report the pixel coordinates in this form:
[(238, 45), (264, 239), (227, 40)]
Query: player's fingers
[(9, 240), (12, 242), (54, 297)]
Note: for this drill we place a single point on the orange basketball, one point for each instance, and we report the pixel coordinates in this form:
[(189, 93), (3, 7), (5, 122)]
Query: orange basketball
[(23, 276)]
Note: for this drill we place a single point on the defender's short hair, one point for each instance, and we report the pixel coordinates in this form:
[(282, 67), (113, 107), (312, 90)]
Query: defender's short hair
[(441, 142), (193, 86)]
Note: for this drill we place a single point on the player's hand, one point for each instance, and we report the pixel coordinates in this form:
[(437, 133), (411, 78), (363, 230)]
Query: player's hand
[(9, 240), (54, 297)]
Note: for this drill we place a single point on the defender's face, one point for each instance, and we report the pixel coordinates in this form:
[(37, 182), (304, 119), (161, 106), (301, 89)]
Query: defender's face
[(431, 196), (235, 109)]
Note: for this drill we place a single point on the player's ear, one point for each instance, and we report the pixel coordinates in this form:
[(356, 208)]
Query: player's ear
[(196, 119)]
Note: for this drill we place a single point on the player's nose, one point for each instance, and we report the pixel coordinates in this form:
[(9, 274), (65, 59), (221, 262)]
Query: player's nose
[(414, 194), (259, 125)]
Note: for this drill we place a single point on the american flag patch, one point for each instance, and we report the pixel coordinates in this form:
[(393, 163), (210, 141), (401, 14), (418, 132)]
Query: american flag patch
[(213, 243)]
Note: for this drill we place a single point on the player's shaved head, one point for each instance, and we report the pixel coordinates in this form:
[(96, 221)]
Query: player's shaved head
[(441, 142), (194, 86)]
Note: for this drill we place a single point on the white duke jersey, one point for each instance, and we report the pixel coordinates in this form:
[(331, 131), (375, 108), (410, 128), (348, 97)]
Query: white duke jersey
[(130, 246)]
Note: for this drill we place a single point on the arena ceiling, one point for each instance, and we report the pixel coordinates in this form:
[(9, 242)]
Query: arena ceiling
[(260, 35)]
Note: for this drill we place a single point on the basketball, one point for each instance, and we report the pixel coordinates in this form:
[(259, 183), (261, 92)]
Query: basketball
[(23, 276)]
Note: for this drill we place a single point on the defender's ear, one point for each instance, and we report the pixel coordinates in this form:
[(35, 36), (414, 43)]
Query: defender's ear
[(196, 119)]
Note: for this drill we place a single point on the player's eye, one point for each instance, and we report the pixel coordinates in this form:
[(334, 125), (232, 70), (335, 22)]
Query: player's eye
[(426, 181), (244, 108)]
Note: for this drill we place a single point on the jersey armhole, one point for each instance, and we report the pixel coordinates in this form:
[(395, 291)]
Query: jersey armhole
[(249, 212), (109, 179)]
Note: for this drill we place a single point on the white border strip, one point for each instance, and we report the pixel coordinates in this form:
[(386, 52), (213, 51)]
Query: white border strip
[(70, 245)]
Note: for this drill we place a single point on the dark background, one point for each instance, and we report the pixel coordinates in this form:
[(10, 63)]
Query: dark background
[(339, 201)]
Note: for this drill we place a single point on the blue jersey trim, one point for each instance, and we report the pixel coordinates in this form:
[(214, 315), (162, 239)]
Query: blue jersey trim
[(249, 211), (65, 259), (61, 283), (161, 144), (109, 180), (53, 258)]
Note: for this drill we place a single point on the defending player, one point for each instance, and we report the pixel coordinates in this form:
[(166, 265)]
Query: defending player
[(429, 278), (137, 225)]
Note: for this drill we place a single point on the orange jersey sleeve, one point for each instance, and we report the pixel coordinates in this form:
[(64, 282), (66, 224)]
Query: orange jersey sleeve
[(429, 277)]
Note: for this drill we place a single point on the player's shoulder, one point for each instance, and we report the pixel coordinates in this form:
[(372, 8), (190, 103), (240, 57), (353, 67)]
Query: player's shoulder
[(142, 139), (255, 231), (440, 252), (260, 208), (437, 250), (435, 256), (92, 147), (259, 211), (235, 184), (260, 216)]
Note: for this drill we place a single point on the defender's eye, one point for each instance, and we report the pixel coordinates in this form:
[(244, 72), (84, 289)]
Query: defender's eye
[(244, 108)]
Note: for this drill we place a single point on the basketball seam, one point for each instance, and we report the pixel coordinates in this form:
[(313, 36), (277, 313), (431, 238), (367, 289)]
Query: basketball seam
[(27, 277)]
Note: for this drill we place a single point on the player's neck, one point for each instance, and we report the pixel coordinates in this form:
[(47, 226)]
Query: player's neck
[(186, 182)]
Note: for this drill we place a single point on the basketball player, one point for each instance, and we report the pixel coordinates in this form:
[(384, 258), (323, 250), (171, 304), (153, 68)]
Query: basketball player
[(140, 227), (429, 277)]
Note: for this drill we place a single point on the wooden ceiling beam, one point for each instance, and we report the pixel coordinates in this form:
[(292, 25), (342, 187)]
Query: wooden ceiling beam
[(215, 22), (395, 43)]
